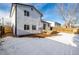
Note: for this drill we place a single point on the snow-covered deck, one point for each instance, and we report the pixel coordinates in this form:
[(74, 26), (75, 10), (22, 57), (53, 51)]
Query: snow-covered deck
[(64, 43)]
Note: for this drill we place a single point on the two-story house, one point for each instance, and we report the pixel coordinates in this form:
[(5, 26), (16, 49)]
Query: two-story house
[(25, 19)]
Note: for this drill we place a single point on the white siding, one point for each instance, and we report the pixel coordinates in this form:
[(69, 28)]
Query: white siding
[(33, 19), (13, 19)]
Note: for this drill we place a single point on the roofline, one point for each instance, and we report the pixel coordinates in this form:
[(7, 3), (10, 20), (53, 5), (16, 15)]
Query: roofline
[(49, 22), (11, 8), (27, 5), (45, 21)]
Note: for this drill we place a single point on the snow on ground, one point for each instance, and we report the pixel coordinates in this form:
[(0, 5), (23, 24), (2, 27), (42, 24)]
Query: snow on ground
[(62, 44), (64, 38)]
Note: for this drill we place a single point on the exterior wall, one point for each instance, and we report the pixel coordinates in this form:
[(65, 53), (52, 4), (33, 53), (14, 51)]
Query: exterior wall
[(33, 19), (12, 17), (51, 25)]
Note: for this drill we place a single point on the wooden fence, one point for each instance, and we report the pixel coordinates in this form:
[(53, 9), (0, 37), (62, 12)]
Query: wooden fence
[(5, 30), (68, 30)]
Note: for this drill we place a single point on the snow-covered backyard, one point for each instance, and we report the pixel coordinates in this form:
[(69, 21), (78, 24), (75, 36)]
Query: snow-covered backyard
[(63, 43)]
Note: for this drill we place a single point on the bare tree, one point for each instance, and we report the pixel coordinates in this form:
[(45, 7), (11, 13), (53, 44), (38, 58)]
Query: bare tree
[(69, 13)]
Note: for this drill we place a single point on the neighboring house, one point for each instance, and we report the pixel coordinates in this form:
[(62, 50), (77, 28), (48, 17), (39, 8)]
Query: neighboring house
[(54, 24), (49, 25), (26, 19), (57, 24), (46, 25)]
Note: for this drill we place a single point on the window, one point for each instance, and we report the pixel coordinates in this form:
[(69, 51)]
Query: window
[(51, 28), (33, 27), (26, 27), (26, 13), (44, 26)]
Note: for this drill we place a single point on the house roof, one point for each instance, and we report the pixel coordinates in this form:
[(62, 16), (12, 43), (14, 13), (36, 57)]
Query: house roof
[(27, 5), (50, 21), (45, 21)]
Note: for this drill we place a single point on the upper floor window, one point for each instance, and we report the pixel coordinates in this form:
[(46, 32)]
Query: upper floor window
[(26, 13)]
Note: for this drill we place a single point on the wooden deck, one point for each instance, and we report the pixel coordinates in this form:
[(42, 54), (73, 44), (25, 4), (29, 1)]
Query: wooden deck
[(42, 35)]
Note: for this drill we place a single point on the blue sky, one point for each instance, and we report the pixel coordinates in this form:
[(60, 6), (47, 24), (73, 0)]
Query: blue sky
[(49, 11), (5, 9)]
